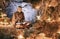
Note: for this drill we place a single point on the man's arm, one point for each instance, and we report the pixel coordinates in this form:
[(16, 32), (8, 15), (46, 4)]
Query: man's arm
[(13, 19)]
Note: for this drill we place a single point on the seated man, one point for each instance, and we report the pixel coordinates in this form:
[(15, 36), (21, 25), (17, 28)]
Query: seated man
[(18, 18)]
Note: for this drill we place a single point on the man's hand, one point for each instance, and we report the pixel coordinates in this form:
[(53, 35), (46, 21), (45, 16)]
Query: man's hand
[(26, 23)]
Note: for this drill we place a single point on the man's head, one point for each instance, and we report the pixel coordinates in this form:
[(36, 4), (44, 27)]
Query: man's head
[(19, 9)]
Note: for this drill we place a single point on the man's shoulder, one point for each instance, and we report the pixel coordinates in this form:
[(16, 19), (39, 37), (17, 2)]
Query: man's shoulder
[(16, 12)]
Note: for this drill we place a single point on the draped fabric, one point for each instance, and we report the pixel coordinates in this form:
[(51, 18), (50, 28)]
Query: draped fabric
[(19, 17), (29, 12)]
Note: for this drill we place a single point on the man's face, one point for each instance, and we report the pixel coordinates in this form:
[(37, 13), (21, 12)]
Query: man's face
[(19, 9)]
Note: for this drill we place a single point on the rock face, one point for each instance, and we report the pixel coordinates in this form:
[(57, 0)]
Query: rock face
[(16, 0), (54, 3), (1, 4)]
